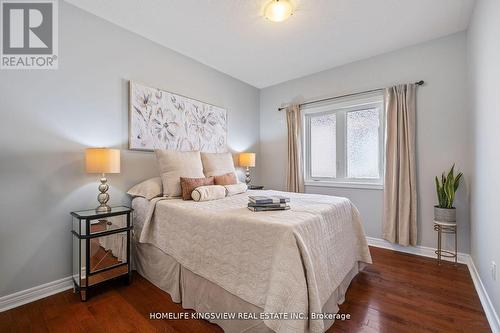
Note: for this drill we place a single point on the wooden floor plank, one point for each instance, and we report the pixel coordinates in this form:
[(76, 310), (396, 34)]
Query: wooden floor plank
[(399, 292)]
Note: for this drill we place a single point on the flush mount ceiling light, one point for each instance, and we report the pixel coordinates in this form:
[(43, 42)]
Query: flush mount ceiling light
[(278, 10)]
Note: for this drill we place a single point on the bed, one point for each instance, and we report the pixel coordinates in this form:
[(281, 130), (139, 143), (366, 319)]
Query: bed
[(218, 256)]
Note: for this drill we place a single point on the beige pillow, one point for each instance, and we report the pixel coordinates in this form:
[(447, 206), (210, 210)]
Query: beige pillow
[(217, 164), (176, 164), (235, 189), (149, 189)]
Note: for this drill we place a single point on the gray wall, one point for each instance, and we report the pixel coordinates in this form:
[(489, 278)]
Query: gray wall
[(49, 117), (484, 65), (442, 128)]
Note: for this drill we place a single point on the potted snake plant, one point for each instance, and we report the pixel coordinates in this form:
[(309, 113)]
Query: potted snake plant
[(446, 189)]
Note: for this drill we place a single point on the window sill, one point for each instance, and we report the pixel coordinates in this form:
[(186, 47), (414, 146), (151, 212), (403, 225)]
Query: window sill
[(366, 186)]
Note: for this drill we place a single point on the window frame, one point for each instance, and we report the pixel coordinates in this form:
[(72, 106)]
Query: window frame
[(340, 107)]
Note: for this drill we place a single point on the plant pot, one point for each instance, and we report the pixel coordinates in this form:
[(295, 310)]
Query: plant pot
[(445, 214)]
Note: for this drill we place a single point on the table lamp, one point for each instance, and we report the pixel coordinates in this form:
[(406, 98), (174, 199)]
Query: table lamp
[(247, 160), (103, 161)]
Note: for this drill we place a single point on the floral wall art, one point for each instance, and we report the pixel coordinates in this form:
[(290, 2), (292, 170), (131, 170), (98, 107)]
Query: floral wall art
[(160, 119)]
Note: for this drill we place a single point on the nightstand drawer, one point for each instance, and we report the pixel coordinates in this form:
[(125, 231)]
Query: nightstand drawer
[(96, 226), (107, 224)]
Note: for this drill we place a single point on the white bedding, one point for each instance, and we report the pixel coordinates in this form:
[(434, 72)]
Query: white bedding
[(284, 261)]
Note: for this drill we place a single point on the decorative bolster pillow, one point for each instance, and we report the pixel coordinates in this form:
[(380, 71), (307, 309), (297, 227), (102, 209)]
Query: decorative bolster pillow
[(209, 192), (236, 189), (189, 184)]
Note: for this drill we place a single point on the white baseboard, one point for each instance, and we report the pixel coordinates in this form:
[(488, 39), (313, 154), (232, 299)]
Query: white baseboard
[(35, 293), (418, 250), (488, 308), (463, 258)]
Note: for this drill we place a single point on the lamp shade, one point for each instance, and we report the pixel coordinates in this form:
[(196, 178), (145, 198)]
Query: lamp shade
[(247, 159), (102, 160)]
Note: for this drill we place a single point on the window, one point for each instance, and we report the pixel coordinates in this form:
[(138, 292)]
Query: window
[(344, 142)]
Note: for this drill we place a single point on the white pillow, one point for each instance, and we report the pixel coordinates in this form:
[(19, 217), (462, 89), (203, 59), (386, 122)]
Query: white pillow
[(235, 189), (209, 192), (217, 164), (174, 165), (149, 189)]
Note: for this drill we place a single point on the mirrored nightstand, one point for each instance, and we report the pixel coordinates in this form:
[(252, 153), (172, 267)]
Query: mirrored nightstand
[(101, 247)]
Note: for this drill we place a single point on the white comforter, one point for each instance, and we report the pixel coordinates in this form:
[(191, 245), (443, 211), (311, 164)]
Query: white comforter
[(283, 261)]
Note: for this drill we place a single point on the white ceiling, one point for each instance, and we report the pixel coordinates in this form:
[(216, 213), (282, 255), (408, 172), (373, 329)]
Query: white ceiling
[(233, 37)]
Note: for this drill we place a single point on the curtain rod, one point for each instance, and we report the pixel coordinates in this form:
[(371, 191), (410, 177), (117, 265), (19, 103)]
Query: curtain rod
[(418, 83)]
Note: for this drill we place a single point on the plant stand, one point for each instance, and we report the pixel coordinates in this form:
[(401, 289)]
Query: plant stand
[(445, 228)]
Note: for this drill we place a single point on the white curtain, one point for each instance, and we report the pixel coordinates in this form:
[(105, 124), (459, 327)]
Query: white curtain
[(400, 184)]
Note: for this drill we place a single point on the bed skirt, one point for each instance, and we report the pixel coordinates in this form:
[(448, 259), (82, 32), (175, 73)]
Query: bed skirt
[(197, 293)]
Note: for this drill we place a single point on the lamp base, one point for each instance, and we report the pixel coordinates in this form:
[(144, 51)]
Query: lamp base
[(103, 197), (103, 209), (247, 176)]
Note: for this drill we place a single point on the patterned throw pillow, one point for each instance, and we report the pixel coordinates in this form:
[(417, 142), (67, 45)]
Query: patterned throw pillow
[(189, 184), (226, 179)]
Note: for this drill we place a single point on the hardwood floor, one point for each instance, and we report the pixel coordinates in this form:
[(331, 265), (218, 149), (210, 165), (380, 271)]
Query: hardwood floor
[(398, 293), (406, 293)]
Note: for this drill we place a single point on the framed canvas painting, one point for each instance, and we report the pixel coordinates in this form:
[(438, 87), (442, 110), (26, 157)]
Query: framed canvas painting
[(160, 119)]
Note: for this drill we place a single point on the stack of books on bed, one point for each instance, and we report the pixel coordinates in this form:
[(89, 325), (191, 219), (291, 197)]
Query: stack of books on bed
[(260, 203)]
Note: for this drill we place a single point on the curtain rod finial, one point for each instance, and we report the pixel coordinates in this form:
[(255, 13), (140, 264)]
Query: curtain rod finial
[(421, 82)]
